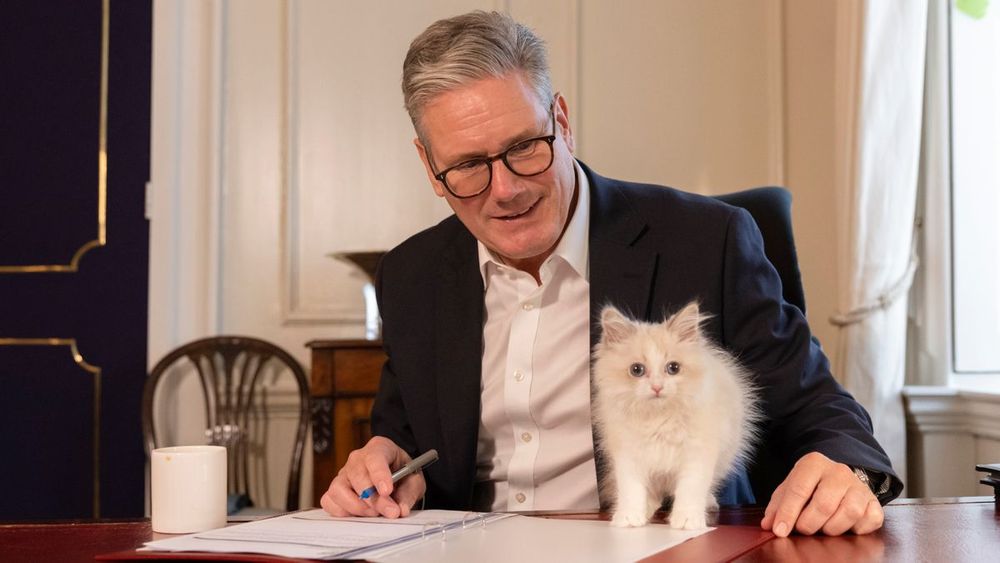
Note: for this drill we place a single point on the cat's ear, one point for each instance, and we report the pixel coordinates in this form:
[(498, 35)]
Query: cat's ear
[(686, 323), (615, 326)]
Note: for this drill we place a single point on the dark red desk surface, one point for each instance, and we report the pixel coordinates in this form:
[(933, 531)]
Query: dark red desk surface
[(953, 530), (70, 541), (946, 530)]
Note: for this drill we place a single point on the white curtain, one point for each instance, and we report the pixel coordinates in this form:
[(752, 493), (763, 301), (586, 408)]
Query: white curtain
[(880, 83), (930, 353)]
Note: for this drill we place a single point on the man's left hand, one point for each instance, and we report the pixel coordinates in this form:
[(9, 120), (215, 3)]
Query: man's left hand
[(821, 494)]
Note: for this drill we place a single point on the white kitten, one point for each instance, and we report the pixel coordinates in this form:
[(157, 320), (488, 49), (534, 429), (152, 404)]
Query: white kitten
[(675, 414)]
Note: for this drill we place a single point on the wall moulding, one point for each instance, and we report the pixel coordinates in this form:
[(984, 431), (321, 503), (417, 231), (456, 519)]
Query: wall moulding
[(102, 169), (350, 178), (95, 372), (297, 307)]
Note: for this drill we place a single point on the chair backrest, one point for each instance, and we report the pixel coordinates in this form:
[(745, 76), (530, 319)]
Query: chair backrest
[(771, 209), (230, 370)]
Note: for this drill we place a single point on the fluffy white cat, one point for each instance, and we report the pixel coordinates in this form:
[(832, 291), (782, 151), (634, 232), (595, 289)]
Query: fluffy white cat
[(675, 414)]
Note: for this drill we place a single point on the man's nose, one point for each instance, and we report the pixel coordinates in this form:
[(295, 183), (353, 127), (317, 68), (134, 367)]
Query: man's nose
[(504, 185)]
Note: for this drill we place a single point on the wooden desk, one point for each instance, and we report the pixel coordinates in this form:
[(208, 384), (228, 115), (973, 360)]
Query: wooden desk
[(80, 541), (71, 541), (942, 529), (343, 381), (953, 530), (947, 529)]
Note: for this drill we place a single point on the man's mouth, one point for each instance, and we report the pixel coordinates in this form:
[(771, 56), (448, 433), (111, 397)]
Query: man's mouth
[(518, 214)]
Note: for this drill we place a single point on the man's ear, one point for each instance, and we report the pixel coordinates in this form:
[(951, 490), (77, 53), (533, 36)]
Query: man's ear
[(562, 119), (422, 152)]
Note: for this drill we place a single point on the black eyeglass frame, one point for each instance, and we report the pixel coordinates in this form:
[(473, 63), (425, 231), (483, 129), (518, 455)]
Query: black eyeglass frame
[(489, 160)]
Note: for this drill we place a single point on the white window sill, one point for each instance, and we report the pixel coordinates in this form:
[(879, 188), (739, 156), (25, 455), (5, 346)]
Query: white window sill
[(977, 384), (949, 430), (969, 408)]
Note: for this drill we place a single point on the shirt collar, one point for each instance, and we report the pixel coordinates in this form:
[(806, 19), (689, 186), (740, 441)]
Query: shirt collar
[(573, 247)]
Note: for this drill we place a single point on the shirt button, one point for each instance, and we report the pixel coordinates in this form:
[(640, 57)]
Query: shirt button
[(526, 436), (518, 375), (520, 497), (527, 306)]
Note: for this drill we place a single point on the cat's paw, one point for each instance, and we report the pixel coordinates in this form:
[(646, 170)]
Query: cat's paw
[(687, 519), (629, 519)]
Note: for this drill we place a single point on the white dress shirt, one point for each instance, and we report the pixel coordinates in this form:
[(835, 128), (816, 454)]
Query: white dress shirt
[(536, 449)]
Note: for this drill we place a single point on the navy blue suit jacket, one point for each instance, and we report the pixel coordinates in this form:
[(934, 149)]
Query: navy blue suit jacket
[(652, 250)]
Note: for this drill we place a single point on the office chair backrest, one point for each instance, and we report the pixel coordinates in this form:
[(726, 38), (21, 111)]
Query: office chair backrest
[(231, 370), (771, 209)]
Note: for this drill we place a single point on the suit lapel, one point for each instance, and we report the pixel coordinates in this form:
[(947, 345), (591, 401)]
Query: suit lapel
[(621, 271), (458, 359)]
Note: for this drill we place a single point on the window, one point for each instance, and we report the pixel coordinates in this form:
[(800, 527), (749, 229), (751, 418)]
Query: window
[(975, 170)]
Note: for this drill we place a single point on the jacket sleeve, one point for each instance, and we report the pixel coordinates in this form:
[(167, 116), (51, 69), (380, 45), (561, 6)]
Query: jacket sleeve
[(389, 417), (805, 409)]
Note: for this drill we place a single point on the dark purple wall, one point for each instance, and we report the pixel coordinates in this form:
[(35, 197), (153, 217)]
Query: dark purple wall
[(50, 61)]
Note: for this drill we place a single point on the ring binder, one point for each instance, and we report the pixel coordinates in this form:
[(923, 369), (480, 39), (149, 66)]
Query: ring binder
[(476, 517), (313, 534), (459, 535)]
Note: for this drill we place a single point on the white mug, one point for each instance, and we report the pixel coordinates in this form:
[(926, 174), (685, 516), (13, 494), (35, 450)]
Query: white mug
[(188, 489)]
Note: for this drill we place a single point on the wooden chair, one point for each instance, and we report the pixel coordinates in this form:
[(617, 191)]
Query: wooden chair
[(231, 370)]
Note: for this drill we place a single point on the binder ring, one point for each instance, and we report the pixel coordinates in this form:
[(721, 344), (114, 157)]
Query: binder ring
[(480, 518)]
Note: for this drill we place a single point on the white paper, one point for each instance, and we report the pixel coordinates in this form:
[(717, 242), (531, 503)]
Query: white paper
[(524, 539), (432, 536), (314, 535)]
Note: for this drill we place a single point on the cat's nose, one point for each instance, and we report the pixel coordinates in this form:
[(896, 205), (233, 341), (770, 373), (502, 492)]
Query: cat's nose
[(656, 389)]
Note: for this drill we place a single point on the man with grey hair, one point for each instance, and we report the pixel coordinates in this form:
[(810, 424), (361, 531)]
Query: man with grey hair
[(488, 316)]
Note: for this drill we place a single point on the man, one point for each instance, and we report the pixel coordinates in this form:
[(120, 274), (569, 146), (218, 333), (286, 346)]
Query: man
[(488, 316)]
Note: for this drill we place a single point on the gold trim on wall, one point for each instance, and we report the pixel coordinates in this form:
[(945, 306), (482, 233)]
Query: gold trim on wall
[(102, 168), (96, 419)]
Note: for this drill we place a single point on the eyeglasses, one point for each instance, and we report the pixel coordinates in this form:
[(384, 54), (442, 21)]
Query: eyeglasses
[(529, 157)]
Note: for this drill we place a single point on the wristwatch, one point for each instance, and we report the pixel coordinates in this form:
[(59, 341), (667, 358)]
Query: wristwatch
[(866, 477)]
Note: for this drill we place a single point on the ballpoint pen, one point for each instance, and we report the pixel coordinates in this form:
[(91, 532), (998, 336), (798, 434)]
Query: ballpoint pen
[(417, 464)]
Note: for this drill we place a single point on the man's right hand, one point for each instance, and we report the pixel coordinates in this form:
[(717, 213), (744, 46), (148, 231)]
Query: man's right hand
[(373, 465)]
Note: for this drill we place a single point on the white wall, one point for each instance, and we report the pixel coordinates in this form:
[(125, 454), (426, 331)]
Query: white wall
[(810, 50), (687, 94), (279, 136)]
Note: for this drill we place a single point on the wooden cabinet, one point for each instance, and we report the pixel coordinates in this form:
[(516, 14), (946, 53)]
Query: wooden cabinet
[(344, 378)]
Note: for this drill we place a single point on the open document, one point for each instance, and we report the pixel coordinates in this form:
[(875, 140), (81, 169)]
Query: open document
[(432, 535), (314, 534)]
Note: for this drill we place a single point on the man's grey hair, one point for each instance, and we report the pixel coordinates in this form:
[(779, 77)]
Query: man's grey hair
[(457, 51)]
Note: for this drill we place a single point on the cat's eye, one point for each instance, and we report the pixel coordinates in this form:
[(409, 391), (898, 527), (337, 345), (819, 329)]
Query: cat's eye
[(673, 368), (637, 370)]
